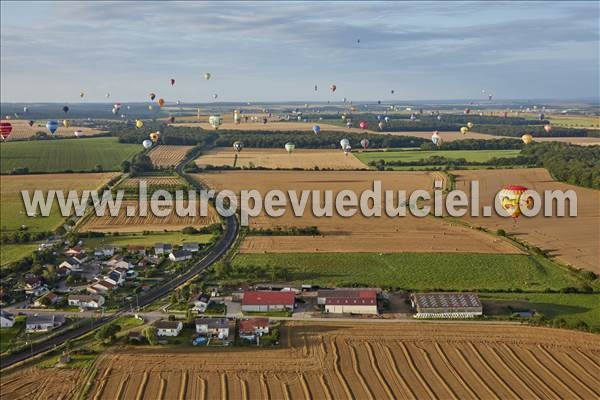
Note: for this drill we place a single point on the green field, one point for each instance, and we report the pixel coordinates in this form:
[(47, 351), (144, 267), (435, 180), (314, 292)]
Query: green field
[(571, 307), (8, 334), (416, 155), (14, 252), (146, 240), (418, 271), (65, 155)]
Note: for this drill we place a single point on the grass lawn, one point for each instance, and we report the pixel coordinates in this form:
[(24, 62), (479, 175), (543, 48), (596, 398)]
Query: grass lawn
[(416, 155), (14, 252), (8, 334), (68, 154), (146, 240), (78, 361), (418, 271), (569, 306)]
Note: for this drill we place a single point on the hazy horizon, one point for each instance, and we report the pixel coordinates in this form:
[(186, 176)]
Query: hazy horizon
[(262, 52)]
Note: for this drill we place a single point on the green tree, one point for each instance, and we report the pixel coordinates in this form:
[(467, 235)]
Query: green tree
[(150, 333), (108, 333)]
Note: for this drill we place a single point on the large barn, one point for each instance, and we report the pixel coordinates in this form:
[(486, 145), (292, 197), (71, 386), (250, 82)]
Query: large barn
[(348, 301), (446, 305)]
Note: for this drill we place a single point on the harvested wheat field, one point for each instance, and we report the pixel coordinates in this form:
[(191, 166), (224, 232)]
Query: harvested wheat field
[(136, 223), (367, 361), (279, 158), (38, 383), (163, 181), (22, 130), (573, 240), (357, 233), (166, 156)]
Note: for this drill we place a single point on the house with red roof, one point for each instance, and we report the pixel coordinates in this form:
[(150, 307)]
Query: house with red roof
[(250, 328), (349, 301), (265, 301)]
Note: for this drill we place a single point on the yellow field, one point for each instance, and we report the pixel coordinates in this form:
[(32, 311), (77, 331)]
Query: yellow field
[(363, 360), (151, 180), (572, 240), (123, 223), (166, 156), (279, 158), (22, 130), (357, 233)]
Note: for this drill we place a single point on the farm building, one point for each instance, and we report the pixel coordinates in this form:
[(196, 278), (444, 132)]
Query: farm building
[(446, 305), (168, 328), (43, 323), (191, 247), (180, 255), (348, 301), (268, 301), (86, 301)]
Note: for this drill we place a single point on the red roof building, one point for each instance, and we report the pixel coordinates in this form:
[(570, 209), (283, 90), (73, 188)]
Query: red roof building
[(349, 301), (267, 301)]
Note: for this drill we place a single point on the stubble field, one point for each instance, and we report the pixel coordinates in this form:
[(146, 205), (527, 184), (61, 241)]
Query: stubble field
[(166, 155), (367, 361), (573, 240)]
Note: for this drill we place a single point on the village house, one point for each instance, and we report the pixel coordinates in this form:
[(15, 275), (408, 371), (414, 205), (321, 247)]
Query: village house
[(200, 302), (7, 320), (48, 299), (148, 261), (104, 251), (43, 323), (252, 328), (168, 328), (162, 248), (136, 249), (180, 255), (265, 301), (33, 286), (192, 247), (86, 301), (116, 277), (213, 327), (71, 264), (100, 287), (74, 251), (348, 301)]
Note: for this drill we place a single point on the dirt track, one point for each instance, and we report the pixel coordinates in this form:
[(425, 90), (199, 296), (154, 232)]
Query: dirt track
[(572, 240), (337, 361), (279, 158), (357, 233)]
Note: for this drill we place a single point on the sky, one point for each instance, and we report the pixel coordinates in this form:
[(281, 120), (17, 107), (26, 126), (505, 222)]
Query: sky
[(267, 51)]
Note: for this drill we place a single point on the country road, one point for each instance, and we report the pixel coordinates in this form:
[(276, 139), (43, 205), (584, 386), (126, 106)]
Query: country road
[(225, 241)]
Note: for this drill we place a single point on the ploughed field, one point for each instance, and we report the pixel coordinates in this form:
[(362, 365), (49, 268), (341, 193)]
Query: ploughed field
[(40, 383), (357, 233), (366, 360), (279, 158), (167, 155), (573, 240)]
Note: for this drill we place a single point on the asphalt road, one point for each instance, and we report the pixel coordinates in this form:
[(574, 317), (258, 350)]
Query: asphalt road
[(225, 241)]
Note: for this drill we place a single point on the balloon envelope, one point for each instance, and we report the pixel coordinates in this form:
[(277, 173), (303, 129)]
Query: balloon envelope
[(464, 130), (78, 133), (147, 143), (364, 143), (470, 125), (52, 126), (161, 102), (5, 130), (65, 108), (512, 201), (139, 123), (66, 123), (215, 121), (363, 124), (172, 81), (527, 138), (207, 75), (316, 129), (548, 128), (152, 96), (289, 147), (238, 146), (333, 87)]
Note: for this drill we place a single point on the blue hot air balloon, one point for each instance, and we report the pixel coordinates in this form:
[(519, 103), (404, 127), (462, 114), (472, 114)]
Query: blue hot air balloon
[(52, 126), (316, 129)]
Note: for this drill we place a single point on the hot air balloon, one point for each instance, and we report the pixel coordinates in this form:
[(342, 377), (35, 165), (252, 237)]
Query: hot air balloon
[(150, 107), (548, 128), (5, 130), (172, 81), (387, 119), (172, 119), (207, 75), (152, 96), (541, 116), (139, 123), (363, 124), (470, 125), (316, 129), (315, 88), (237, 117), (364, 143), (52, 126), (392, 91), (215, 96), (25, 109), (81, 95), (154, 136), (238, 146), (489, 97), (289, 147), (66, 123), (511, 199), (436, 139), (147, 144), (332, 87), (413, 117), (65, 109), (464, 130), (349, 124), (344, 143), (30, 123), (381, 125), (527, 138), (107, 95), (215, 121), (467, 111), (347, 150), (161, 102)]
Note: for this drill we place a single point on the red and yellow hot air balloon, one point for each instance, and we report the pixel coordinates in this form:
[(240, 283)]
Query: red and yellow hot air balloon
[(548, 128), (5, 130), (512, 200), (161, 102)]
